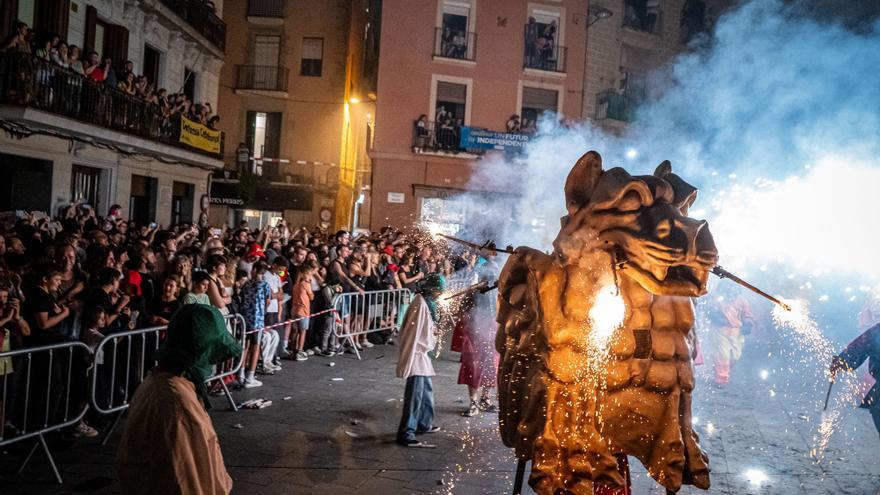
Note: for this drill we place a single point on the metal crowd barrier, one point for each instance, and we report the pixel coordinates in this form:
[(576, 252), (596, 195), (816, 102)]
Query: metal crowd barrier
[(126, 357), (43, 392), (374, 311)]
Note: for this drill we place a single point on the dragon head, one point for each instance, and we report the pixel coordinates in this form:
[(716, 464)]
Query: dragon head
[(642, 222)]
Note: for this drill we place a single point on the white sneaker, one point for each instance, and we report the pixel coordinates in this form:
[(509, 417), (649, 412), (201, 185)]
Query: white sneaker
[(368, 344), (316, 350), (310, 352), (252, 383), (301, 356)]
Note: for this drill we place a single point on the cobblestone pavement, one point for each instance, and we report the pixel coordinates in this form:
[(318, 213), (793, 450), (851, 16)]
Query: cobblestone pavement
[(335, 436)]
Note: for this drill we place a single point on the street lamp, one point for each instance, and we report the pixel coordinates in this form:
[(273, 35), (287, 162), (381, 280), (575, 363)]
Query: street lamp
[(595, 15)]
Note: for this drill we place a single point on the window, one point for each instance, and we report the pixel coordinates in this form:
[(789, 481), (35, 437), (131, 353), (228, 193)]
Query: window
[(312, 57), (543, 40), (451, 102), (26, 184), (453, 38), (152, 58), (142, 204), (536, 101), (26, 11), (182, 203), (264, 138), (189, 83), (266, 72), (85, 185), (643, 15)]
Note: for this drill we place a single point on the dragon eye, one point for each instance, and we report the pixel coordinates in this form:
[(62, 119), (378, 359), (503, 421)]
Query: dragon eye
[(664, 228)]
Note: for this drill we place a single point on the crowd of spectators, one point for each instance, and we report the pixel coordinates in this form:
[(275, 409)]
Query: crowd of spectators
[(79, 276), (97, 71)]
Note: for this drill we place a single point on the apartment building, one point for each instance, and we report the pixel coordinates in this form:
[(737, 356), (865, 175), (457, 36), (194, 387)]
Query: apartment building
[(627, 40), (452, 74), (67, 139), (282, 92)]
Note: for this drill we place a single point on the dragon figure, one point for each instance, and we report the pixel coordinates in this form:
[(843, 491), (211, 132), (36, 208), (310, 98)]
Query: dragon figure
[(569, 409)]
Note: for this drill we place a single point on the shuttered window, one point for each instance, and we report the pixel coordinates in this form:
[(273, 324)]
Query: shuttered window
[(312, 57)]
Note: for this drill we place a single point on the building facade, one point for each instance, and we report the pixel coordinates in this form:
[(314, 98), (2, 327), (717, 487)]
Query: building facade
[(627, 40), (464, 68), (69, 140), (282, 95)]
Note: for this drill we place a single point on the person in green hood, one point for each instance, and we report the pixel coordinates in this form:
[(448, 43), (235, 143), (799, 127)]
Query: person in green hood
[(169, 444)]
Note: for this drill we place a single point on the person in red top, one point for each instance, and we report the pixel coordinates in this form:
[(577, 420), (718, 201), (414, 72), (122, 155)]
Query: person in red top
[(301, 302)]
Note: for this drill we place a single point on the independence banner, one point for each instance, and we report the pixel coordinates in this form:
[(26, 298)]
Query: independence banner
[(484, 139), (199, 136)]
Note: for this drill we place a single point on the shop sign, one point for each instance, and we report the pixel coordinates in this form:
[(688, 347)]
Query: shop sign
[(396, 197), (199, 136)]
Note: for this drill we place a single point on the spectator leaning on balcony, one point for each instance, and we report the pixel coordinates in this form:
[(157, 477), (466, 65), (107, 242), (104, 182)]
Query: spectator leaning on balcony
[(74, 62), (18, 41)]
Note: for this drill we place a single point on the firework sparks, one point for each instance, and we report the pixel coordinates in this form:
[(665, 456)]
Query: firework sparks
[(606, 315)]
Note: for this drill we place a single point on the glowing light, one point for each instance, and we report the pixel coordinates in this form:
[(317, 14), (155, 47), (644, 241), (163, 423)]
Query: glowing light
[(432, 228), (764, 374), (695, 420), (755, 476), (354, 101), (606, 315), (632, 153), (710, 429)]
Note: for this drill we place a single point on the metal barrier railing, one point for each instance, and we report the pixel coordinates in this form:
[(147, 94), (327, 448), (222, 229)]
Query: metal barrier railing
[(374, 311), (115, 375), (46, 377)]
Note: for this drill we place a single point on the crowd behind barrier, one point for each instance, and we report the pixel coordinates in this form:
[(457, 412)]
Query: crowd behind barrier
[(85, 300)]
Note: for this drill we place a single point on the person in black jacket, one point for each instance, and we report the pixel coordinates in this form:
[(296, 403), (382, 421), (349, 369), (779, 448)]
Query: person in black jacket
[(866, 347)]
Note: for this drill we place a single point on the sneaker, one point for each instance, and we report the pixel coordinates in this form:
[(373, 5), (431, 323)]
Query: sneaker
[(302, 356), (486, 405), (309, 352), (316, 350), (368, 344), (252, 383), (472, 411), (358, 346), (287, 354), (433, 429), (327, 353), (409, 442), (389, 342), (82, 430), (265, 369)]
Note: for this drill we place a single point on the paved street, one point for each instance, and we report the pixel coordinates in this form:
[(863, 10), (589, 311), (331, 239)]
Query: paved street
[(325, 436)]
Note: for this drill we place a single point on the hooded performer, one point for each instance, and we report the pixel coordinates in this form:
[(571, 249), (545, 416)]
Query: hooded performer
[(169, 445), (417, 339)]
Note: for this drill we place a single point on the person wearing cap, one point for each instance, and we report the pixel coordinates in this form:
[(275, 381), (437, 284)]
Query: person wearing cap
[(169, 444), (254, 252)]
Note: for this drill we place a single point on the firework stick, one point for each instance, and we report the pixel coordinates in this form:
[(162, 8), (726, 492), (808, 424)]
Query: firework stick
[(481, 287), (487, 247), (828, 395), (722, 273), (520, 474)]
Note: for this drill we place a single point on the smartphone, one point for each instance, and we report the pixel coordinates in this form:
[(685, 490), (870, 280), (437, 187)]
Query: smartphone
[(216, 232), (153, 225), (86, 207)]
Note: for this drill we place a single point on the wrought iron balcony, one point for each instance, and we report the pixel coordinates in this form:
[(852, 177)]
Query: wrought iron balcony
[(202, 17), (27, 81), (613, 105), (542, 53), (451, 43), (262, 77), (265, 8)]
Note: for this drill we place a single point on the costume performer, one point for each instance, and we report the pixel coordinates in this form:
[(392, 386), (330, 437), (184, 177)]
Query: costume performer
[(169, 445)]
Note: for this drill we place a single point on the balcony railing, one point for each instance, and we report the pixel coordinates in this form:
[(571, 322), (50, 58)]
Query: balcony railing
[(450, 43), (613, 105), (265, 8), (262, 77), (201, 15), (433, 137), (543, 54), (31, 82)]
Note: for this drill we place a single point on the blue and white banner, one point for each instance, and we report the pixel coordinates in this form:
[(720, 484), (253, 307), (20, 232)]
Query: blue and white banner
[(484, 139)]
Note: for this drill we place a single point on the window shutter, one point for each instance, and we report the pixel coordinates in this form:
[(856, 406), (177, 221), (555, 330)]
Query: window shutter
[(51, 17), (116, 44), (250, 131), (273, 135), (91, 24)]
